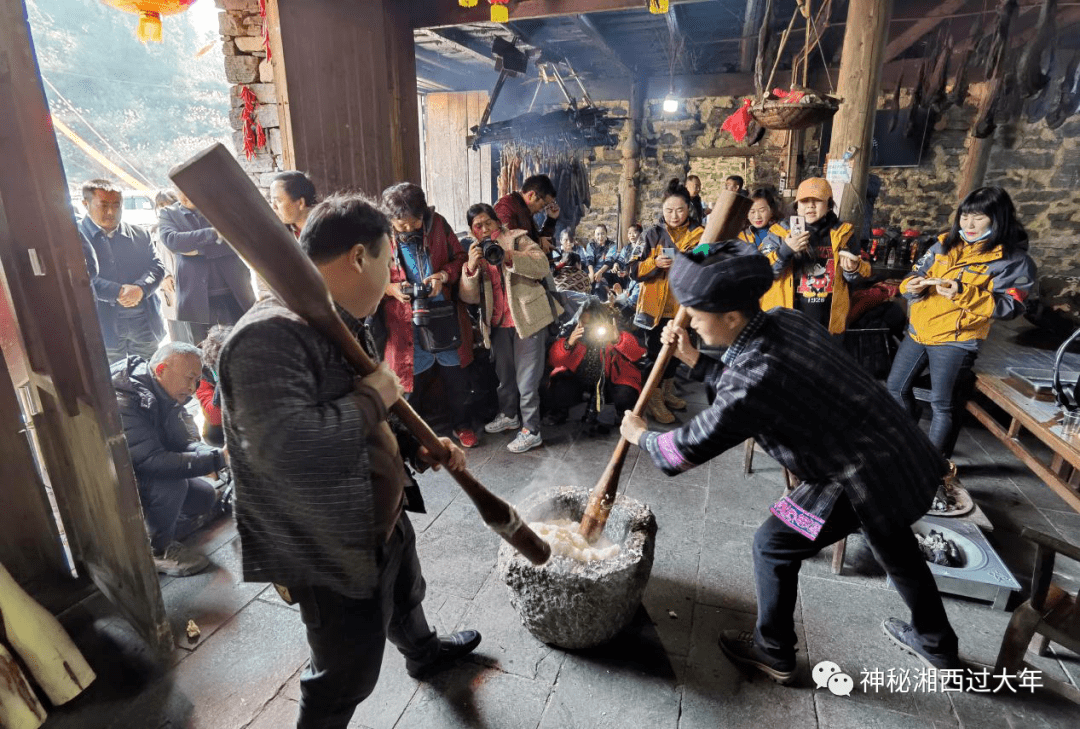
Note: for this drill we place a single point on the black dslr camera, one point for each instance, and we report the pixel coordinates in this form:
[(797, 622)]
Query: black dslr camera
[(418, 294), (493, 252)]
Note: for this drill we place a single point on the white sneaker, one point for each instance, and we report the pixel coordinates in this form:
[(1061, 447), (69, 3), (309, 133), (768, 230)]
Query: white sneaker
[(502, 423), (524, 441)]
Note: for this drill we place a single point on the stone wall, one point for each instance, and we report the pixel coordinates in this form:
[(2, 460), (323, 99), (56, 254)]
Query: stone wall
[(1039, 167), (246, 64), (675, 145)]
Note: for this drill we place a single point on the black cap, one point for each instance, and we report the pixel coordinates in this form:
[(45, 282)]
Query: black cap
[(718, 277)]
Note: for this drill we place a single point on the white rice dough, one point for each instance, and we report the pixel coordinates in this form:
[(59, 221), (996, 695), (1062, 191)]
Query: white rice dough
[(562, 535)]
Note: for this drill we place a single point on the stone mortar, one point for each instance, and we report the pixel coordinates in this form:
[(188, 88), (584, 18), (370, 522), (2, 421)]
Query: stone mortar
[(572, 604)]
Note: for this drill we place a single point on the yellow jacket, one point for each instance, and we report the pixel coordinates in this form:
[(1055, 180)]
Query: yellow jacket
[(782, 292), (992, 286), (656, 301), (769, 247)]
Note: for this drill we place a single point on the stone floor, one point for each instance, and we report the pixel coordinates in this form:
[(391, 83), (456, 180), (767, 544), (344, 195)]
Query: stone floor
[(664, 671)]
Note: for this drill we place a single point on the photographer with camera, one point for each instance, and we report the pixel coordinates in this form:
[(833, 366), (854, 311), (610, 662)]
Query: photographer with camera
[(428, 330), (595, 357), (516, 210), (506, 275)]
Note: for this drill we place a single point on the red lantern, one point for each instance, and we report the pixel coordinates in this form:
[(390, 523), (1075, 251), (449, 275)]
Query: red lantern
[(150, 12)]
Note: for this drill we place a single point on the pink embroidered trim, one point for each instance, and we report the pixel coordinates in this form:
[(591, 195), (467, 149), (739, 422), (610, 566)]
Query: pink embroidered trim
[(802, 521), (670, 452)]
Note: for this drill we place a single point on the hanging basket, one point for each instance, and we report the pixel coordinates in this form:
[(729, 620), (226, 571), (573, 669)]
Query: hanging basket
[(796, 109)]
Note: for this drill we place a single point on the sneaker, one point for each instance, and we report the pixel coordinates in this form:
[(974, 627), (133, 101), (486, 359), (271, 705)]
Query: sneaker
[(502, 423), (525, 441), (179, 561), (903, 635), (451, 647), (466, 437), (555, 417), (740, 648)]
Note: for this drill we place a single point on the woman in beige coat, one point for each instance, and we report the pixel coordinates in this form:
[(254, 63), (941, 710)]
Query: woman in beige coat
[(516, 306)]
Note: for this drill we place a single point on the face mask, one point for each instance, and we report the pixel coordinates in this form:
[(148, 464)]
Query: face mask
[(414, 237), (984, 236)]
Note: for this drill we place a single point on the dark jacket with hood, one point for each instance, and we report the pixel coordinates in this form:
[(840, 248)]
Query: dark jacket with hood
[(159, 440)]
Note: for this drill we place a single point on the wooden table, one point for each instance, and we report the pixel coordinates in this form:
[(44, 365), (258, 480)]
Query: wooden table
[(1015, 344)]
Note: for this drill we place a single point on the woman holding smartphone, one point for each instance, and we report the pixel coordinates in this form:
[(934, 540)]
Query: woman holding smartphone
[(649, 265), (817, 248), (977, 272), (766, 232)]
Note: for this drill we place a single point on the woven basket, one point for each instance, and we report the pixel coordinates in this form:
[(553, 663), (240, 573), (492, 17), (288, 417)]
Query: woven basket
[(775, 114)]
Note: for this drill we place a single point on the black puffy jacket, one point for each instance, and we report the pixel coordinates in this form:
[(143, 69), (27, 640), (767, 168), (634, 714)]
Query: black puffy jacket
[(159, 440)]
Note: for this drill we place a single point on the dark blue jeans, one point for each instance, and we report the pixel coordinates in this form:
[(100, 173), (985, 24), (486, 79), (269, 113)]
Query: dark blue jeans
[(347, 636), (779, 552), (950, 372)]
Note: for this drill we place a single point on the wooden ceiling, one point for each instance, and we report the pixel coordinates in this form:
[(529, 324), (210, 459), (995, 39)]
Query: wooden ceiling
[(609, 42)]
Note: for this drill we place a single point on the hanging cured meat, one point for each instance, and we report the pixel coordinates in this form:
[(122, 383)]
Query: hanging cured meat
[(1067, 95), (1029, 70)]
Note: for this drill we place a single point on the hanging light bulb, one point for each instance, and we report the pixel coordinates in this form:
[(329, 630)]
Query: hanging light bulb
[(671, 104)]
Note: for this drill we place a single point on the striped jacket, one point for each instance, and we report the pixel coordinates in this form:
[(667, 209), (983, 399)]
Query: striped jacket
[(820, 415), (991, 287), (318, 461)]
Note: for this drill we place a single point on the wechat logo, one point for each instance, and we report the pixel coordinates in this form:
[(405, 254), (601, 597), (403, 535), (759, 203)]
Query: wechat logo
[(828, 675)]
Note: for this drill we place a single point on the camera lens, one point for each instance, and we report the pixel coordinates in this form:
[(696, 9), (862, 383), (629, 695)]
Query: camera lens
[(493, 252)]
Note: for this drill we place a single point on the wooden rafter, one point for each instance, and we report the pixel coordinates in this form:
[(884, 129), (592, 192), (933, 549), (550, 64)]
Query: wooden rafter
[(755, 16), (588, 27), (459, 42), (437, 13), (681, 40), (921, 27)]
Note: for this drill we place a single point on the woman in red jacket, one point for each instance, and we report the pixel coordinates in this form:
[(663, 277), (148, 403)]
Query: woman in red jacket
[(595, 358), (207, 391), (425, 252)]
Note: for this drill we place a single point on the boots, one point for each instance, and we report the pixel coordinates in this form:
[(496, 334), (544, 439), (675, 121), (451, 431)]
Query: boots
[(672, 400), (656, 409)]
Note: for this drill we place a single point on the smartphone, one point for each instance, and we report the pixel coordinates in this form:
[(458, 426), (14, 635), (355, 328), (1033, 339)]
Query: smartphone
[(669, 252), (798, 225)]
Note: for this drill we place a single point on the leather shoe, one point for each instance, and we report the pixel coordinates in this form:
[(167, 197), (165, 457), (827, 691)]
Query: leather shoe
[(451, 647)]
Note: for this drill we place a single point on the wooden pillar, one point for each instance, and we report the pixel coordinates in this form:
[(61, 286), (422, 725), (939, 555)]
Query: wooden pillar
[(865, 38), (974, 170), (348, 87), (631, 157), (76, 419)]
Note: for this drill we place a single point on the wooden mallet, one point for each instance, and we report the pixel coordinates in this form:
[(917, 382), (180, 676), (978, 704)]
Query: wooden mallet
[(726, 220), (221, 190)]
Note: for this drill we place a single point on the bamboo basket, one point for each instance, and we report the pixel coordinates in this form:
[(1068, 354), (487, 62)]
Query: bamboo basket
[(778, 114)]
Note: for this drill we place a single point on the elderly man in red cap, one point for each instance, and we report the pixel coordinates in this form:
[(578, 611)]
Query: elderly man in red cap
[(861, 463)]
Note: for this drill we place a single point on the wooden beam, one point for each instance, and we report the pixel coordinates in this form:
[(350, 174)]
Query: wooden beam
[(921, 27), (755, 16), (858, 85), (460, 42), (681, 39), (588, 27), (436, 13), (726, 152)]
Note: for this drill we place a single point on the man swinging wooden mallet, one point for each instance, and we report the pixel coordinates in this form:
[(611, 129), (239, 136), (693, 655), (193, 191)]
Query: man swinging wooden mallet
[(861, 463)]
